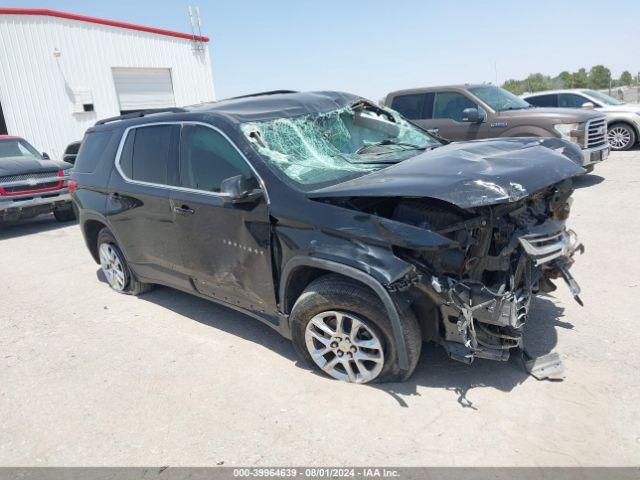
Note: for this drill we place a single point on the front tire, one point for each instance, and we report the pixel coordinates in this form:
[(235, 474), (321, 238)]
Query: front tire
[(115, 267), (621, 136), (340, 327)]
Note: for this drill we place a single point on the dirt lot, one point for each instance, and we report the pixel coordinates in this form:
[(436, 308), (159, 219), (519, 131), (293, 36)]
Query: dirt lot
[(90, 377)]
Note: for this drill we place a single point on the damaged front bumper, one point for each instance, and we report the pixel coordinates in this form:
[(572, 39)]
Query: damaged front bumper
[(479, 321)]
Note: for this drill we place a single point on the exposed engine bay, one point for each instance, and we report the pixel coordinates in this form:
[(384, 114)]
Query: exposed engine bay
[(500, 256)]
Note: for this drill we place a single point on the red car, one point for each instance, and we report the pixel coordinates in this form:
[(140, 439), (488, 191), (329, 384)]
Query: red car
[(31, 183)]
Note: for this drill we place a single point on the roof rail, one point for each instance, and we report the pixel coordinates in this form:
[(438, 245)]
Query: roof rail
[(142, 113), (260, 94)]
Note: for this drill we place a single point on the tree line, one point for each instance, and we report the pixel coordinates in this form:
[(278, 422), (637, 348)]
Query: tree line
[(598, 77)]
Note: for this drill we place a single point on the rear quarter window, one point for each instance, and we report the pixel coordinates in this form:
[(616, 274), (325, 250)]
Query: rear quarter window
[(92, 151)]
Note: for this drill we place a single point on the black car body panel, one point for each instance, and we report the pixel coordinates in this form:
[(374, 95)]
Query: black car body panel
[(439, 231), (19, 166), (467, 174)]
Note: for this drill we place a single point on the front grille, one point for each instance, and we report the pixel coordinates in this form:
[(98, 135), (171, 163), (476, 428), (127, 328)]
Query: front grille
[(547, 242), (26, 183), (28, 176), (596, 133), (31, 188)]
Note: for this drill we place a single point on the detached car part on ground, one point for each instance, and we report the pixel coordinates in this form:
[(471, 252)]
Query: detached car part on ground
[(470, 112), (32, 184), (334, 221)]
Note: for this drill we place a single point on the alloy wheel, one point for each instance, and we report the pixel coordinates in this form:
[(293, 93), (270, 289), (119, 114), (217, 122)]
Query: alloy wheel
[(112, 267), (344, 346), (619, 138)]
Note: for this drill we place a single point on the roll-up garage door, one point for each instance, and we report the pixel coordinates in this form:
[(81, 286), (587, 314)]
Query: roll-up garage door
[(143, 88)]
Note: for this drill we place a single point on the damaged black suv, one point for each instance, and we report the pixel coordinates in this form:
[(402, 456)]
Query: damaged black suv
[(334, 221)]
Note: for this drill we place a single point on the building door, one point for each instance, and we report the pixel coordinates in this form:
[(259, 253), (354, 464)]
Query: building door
[(3, 124), (143, 88)]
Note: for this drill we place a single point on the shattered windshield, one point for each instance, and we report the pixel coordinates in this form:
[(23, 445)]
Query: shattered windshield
[(321, 149)]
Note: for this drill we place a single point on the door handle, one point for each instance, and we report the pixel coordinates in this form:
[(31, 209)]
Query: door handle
[(184, 210)]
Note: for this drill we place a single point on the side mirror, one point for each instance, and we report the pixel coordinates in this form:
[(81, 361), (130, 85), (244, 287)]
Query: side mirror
[(472, 115), (588, 105), (46, 156), (240, 189), (70, 159)]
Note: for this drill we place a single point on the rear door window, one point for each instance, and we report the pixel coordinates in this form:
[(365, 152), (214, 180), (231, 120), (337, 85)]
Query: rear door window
[(451, 105), (207, 158), (570, 100), (543, 100), (411, 106), (147, 153)]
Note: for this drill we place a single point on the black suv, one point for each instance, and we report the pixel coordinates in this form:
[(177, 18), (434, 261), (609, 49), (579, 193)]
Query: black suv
[(334, 221)]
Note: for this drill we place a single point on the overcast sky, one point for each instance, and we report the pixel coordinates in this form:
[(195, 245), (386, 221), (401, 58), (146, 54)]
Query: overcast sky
[(370, 47)]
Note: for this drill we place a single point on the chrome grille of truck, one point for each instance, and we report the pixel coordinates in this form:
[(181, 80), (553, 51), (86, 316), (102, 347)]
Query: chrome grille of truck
[(547, 242), (28, 176), (596, 133)]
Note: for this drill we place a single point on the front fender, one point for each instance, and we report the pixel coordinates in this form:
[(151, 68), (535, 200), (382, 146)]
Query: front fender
[(360, 276)]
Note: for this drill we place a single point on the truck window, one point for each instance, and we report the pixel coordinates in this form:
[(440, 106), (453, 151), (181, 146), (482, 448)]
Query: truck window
[(570, 100), (543, 101), (451, 105), (414, 106)]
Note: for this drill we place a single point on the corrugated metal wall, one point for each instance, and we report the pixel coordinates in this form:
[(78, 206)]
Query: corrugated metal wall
[(36, 88)]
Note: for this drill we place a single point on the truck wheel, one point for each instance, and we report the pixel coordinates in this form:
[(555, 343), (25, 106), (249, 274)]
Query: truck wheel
[(621, 136), (115, 268), (64, 214), (340, 326)]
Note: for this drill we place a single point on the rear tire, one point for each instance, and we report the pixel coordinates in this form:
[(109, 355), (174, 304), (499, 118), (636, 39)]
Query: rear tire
[(64, 214), (115, 267), (338, 305), (621, 136)]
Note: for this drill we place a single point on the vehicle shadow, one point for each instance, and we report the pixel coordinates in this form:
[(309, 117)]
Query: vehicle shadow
[(39, 224), (434, 370), (217, 316), (588, 180)]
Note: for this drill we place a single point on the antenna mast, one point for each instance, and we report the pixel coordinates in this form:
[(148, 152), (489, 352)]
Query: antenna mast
[(197, 44)]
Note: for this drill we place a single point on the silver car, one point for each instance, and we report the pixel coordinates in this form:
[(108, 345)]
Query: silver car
[(623, 119)]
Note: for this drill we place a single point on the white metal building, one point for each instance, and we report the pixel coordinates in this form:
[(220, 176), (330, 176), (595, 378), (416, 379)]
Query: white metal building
[(60, 73)]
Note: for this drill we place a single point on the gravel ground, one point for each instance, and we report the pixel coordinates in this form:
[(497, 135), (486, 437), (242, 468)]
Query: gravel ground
[(90, 377)]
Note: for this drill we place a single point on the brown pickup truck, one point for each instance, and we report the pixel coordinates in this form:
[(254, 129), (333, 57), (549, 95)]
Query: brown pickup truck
[(470, 112)]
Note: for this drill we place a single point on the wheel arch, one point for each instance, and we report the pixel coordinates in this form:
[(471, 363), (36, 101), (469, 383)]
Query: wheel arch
[(300, 271), (90, 229), (528, 131)]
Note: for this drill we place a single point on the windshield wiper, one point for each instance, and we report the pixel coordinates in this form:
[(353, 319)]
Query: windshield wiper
[(410, 146)]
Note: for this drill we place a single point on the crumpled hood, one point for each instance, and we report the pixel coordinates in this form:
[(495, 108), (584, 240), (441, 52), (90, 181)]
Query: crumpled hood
[(18, 165), (466, 174)]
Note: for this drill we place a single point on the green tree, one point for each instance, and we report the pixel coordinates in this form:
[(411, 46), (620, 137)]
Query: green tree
[(514, 86), (580, 79), (625, 78), (599, 77), (566, 78)]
